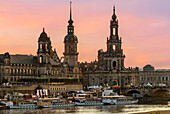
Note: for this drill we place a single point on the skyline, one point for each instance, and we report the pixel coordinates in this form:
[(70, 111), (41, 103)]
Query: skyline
[(25, 25)]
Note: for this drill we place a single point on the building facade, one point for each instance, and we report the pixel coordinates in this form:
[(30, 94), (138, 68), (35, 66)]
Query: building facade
[(155, 77)]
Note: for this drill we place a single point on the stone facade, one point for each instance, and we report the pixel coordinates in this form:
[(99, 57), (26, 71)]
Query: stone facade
[(156, 77)]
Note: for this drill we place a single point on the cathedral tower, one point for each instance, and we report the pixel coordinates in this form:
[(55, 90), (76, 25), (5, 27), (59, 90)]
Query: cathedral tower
[(113, 58), (70, 42)]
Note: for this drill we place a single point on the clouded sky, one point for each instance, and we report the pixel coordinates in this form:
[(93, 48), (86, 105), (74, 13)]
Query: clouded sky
[(143, 25)]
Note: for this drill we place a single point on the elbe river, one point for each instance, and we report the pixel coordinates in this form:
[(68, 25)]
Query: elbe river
[(106, 109)]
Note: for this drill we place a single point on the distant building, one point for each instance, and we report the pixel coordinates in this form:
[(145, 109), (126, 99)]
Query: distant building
[(155, 77), (110, 69)]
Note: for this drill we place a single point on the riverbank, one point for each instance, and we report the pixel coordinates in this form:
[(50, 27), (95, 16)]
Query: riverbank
[(155, 112), (154, 100)]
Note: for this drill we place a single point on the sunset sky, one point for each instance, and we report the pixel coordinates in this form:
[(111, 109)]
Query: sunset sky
[(144, 26)]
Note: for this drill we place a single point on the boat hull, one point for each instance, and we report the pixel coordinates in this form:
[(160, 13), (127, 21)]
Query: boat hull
[(89, 104), (58, 105), (126, 102), (22, 107)]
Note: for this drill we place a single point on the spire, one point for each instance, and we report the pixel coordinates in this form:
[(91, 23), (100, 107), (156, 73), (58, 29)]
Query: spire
[(114, 9), (70, 21), (114, 15), (70, 10), (43, 29)]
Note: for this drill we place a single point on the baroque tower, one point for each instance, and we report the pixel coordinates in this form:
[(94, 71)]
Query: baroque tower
[(43, 54), (113, 58), (70, 42), (44, 48)]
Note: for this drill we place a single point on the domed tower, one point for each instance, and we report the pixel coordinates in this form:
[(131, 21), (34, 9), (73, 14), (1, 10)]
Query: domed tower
[(44, 48), (70, 42)]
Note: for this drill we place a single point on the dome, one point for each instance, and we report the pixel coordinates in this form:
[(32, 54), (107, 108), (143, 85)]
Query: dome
[(114, 17), (43, 36), (70, 38), (7, 55), (148, 68)]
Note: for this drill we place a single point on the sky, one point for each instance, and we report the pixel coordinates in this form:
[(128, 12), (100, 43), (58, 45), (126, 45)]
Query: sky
[(143, 25)]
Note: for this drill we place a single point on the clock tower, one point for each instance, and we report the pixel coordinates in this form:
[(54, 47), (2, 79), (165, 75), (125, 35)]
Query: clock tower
[(70, 42)]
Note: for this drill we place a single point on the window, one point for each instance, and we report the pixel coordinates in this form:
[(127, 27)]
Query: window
[(162, 78), (46, 46), (166, 78), (40, 46), (114, 31), (41, 59), (114, 47), (114, 64)]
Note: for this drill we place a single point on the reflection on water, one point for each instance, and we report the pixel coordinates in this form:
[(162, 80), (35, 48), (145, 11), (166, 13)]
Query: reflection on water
[(124, 109)]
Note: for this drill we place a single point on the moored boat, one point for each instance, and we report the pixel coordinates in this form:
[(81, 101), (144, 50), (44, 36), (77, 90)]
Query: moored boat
[(108, 100), (20, 104), (88, 102), (54, 102), (125, 100)]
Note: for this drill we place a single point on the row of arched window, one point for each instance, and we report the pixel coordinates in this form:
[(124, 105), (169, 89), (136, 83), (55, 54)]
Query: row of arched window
[(22, 71), (57, 88)]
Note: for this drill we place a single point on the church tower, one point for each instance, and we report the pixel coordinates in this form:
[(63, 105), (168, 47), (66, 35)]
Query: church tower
[(44, 48), (113, 58), (70, 42)]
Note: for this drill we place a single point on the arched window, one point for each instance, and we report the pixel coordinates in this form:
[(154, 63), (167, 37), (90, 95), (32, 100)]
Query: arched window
[(114, 47), (41, 59), (11, 71), (114, 31), (114, 64), (46, 46), (40, 46)]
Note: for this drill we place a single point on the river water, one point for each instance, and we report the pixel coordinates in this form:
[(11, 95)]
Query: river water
[(107, 109)]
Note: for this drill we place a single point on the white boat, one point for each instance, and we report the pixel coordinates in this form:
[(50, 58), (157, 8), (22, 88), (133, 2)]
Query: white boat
[(88, 102), (19, 104), (108, 100), (48, 103), (108, 97), (125, 100), (111, 98)]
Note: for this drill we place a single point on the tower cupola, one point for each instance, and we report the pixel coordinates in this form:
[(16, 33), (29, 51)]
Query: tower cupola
[(43, 36), (114, 15)]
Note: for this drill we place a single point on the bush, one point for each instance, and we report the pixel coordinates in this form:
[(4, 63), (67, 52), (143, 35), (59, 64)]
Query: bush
[(41, 80)]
